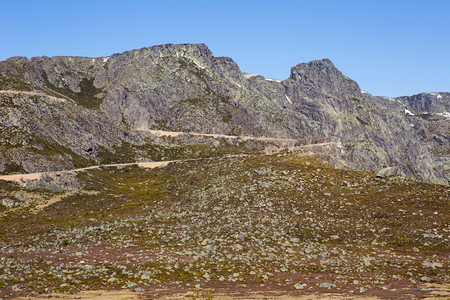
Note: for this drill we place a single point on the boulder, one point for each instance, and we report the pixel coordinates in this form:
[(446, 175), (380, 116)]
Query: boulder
[(385, 172)]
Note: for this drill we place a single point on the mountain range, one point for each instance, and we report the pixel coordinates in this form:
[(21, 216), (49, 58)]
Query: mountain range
[(66, 112)]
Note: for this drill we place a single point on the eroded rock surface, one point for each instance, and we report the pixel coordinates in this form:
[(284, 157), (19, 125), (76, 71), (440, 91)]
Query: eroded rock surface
[(185, 88)]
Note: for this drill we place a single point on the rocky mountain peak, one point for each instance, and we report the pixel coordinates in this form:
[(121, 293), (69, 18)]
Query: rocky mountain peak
[(200, 52), (324, 76)]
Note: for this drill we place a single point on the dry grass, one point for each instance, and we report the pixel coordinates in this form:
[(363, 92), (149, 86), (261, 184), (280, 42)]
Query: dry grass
[(248, 224)]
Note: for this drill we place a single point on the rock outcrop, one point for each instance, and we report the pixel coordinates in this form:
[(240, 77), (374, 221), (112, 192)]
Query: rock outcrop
[(385, 172)]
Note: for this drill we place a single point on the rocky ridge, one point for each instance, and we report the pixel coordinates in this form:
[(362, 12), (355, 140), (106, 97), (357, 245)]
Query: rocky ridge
[(185, 88)]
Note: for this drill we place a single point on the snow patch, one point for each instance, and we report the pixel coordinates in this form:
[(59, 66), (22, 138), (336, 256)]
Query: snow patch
[(250, 75), (364, 92), (439, 96), (271, 79), (288, 99), (409, 112), (445, 114), (105, 59), (198, 65), (238, 85)]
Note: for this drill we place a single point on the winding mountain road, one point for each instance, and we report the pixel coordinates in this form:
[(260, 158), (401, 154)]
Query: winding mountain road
[(161, 133), (21, 178)]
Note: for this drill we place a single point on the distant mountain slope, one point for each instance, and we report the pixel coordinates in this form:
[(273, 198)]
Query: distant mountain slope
[(185, 88)]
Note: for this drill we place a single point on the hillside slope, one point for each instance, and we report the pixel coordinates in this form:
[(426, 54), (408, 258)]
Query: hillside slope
[(239, 226)]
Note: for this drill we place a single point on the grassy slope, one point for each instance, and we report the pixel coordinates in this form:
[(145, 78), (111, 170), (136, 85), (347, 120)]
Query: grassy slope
[(256, 220)]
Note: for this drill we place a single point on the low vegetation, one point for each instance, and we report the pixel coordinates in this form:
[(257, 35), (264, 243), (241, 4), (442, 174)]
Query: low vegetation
[(285, 223)]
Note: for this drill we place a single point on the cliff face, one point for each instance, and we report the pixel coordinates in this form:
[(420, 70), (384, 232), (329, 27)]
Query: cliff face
[(88, 105)]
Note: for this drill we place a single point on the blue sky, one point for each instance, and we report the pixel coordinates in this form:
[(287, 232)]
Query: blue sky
[(390, 48)]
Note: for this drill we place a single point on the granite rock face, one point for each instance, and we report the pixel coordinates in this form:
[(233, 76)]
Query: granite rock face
[(185, 88), (427, 103)]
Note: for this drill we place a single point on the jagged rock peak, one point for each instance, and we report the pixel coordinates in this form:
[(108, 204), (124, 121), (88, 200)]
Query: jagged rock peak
[(427, 102), (324, 75), (319, 63), (310, 70)]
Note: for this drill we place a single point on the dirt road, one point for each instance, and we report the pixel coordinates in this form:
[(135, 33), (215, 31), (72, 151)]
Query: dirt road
[(245, 138), (32, 94), (20, 178), (214, 135)]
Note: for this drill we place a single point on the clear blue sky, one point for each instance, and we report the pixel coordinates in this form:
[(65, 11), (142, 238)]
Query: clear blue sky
[(391, 48)]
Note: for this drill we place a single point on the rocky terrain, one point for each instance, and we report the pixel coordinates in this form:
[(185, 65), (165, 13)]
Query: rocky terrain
[(272, 188), (65, 112), (269, 224)]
